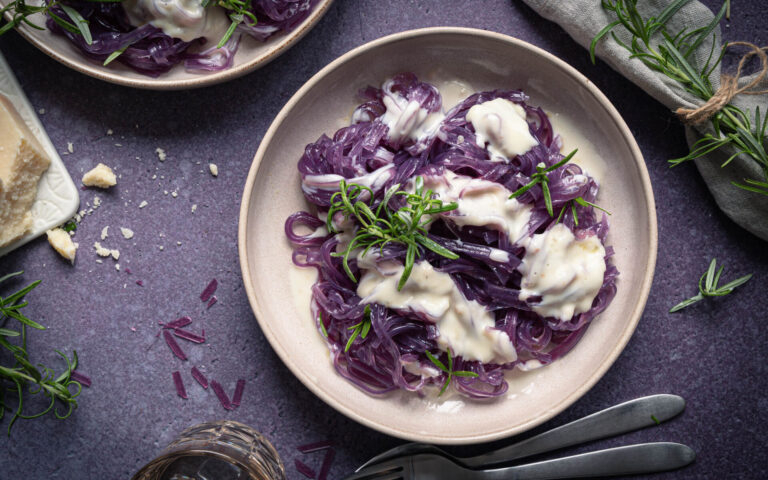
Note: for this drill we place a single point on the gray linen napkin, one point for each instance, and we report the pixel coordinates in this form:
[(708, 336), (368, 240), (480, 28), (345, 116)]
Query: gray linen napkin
[(583, 19)]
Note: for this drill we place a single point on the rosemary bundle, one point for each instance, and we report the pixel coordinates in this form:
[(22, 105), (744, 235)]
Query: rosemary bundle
[(671, 54), (19, 377), (672, 50)]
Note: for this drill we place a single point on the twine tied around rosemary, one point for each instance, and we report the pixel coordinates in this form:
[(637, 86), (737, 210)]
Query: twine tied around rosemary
[(729, 87)]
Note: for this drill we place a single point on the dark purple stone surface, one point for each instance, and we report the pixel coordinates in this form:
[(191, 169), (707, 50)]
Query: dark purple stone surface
[(713, 354)]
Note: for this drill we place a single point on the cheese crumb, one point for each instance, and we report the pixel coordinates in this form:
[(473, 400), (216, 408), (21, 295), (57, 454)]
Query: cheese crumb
[(214, 169), (62, 243), (105, 232), (194, 208), (70, 147), (109, 131), (41, 111), (161, 155), (101, 251), (100, 176), (106, 252), (117, 267), (127, 233), (96, 202), (174, 194), (143, 204), (162, 248)]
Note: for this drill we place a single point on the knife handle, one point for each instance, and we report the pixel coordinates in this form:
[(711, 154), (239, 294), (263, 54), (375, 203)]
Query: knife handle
[(629, 460), (625, 417)]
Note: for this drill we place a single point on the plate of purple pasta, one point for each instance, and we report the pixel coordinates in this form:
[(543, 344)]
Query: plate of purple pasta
[(445, 251), (165, 44)]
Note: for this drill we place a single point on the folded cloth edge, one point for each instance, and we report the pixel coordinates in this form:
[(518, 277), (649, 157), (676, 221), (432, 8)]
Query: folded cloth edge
[(583, 19)]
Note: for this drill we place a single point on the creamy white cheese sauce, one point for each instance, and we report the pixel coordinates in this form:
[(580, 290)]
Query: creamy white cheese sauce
[(481, 203), (565, 271), (407, 120), (501, 124), (182, 19), (416, 368), (453, 92), (464, 326), (330, 181)]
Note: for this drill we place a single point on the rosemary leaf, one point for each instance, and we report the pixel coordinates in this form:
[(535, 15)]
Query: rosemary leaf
[(448, 370), (112, 56), (706, 31), (708, 286), (80, 23)]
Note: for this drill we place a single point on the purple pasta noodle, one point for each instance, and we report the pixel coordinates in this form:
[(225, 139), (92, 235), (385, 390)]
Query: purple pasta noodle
[(315, 446), (80, 378), (325, 468), (238, 395), (187, 335), (393, 354), (304, 469), (198, 375), (209, 290), (179, 383), (221, 395), (175, 348), (178, 323)]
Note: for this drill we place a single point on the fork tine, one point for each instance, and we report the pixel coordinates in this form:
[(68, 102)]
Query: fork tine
[(384, 471)]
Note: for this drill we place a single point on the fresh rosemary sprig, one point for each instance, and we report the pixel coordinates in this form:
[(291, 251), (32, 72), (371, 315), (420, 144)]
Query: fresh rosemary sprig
[(572, 203), (361, 328), (406, 225), (670, 54), (112, 56), (239, 12), (21, 378), (449, 369), (708, 286), (322, 325), (540, 177)]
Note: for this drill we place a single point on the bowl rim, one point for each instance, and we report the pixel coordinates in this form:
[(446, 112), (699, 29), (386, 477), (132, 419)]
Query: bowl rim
[(645, 284), (84, 65)]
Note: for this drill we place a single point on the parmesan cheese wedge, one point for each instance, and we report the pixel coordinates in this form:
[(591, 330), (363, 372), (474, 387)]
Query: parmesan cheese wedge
[(22, 162)]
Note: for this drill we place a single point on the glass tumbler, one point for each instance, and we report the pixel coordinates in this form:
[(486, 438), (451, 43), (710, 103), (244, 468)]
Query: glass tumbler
[(223, 450)]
